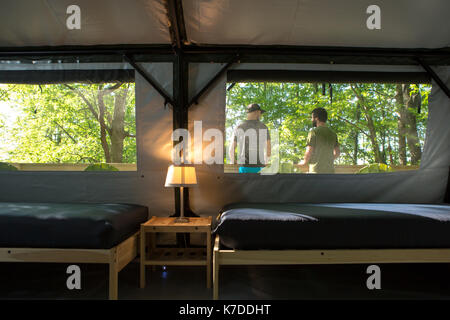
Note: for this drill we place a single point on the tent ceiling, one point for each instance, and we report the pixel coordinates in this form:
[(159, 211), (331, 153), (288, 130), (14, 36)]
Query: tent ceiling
[(25, 23), (405, 23)]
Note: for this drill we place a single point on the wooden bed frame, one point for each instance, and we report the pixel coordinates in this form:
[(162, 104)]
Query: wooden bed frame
[(117, 257), (331, 256)]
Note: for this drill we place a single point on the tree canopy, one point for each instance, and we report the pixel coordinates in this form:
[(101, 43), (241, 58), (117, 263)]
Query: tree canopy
[(68, 123), (375, 123)]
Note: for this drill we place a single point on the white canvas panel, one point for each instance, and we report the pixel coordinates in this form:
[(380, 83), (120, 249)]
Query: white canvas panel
[(26, 23), (436, 152), (404, 23)]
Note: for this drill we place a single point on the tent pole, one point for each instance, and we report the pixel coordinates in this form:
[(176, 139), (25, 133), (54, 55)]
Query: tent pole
[(213, 80), (178, 36), (180, 120), (141, 71), (249, 53), (180, 111), (177, 28), (435, 77)]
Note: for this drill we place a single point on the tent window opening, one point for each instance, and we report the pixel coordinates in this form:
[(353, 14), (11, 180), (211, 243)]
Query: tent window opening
[(70, 125), (366, 127)]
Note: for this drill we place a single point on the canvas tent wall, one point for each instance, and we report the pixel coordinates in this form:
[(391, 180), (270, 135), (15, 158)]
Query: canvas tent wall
[(405, 24), (291, 35)]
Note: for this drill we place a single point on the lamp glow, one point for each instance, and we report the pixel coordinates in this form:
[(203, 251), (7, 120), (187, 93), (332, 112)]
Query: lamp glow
[(181, 176)]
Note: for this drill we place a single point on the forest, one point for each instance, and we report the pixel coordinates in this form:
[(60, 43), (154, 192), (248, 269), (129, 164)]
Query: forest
[(68, 123), (376, 123)]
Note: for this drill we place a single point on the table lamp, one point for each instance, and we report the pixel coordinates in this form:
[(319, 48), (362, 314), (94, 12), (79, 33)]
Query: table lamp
[(181, 176)]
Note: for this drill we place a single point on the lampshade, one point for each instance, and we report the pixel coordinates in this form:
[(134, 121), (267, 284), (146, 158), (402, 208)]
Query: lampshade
[(181, 176)]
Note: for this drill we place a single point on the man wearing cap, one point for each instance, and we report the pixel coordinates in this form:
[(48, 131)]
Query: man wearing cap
[(322, 144), (253, 140)]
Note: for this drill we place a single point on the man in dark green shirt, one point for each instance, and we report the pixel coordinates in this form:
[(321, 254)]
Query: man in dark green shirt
[(322, 144)]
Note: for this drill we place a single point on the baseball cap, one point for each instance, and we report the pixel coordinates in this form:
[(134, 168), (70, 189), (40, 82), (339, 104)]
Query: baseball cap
[(254, 107)]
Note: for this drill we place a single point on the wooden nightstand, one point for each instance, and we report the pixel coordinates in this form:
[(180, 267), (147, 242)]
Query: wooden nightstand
[(175, 256)]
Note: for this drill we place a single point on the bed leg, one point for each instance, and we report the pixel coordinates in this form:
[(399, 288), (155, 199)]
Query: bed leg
[(113, 276), (216, 269), (152, 246), (208, 260), (142, 260), (216, 277)]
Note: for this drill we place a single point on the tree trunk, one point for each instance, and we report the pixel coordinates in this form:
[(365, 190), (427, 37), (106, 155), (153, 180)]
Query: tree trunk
[(401, 125), (103, 128), (383, 147), (391, 158), (407, 124), (118, 126), (383, 138), (373, 136), (356, 137), (412, 102), (370, 125)]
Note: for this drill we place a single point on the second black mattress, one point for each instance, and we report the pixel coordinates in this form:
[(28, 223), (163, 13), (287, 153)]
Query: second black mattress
[(334, 226)]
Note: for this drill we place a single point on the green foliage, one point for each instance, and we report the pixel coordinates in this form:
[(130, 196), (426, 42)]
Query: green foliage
[(376, 168), (286, 168), (353, 110), (7, 167), (60, 123), (101, 167)]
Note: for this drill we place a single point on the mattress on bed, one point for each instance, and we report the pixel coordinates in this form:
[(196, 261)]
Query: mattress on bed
[(68, 225), (334, 226)]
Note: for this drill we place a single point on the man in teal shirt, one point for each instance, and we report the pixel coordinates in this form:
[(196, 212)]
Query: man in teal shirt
[(322, 144), (251, 157)]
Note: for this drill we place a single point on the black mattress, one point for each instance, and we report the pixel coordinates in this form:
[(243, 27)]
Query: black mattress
[(333, 226), (68, 225)]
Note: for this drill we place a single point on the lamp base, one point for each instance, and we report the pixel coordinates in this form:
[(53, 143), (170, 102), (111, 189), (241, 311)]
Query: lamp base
[(187, 213), (181, 220)]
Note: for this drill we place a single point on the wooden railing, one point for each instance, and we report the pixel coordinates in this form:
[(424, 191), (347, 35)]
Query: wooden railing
[(68, 166), (228, 168), (296, 168)]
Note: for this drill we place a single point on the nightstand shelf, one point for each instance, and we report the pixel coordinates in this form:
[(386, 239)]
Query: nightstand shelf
[(176, 256), (156, 256)]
